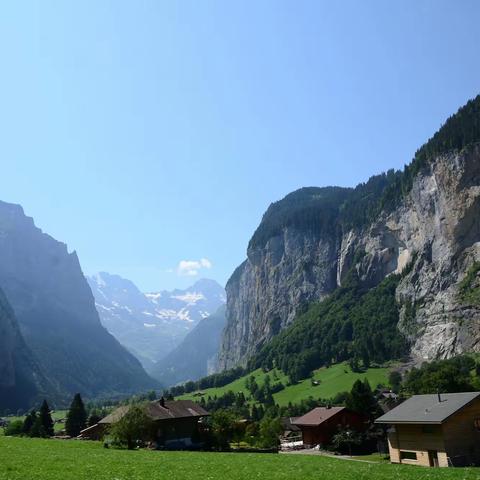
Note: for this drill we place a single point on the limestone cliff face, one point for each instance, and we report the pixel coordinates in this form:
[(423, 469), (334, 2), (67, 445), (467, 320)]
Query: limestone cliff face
[(266, 291), (435, 230)]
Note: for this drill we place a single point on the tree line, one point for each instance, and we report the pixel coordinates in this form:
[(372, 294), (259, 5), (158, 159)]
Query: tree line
[(41, 424), (332, 210)]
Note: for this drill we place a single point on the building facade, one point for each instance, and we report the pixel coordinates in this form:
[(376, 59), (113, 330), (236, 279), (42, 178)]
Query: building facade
[(322, 423), (438, 430)]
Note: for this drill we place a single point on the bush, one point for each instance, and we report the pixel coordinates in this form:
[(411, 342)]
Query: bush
[(270, 430), (224, 426), (133, 427), (14, 428)]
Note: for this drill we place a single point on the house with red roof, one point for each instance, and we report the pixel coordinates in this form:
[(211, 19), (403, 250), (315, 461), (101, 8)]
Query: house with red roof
[(320, 424)]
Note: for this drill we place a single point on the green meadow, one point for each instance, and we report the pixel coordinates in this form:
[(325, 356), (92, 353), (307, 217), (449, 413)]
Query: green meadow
[(332, 380), (39, 459)]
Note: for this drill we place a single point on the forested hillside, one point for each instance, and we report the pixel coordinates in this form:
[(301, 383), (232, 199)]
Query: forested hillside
[(353, 324)]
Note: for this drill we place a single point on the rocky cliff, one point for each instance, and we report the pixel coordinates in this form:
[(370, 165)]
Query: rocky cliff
[(55, 309), (21, 379), (306, 245)]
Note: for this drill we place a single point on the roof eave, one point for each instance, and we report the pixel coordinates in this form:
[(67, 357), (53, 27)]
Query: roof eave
[(180, 417), (409, 422)]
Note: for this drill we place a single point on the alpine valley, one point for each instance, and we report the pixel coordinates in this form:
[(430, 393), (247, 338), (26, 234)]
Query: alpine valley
[(386, 271)]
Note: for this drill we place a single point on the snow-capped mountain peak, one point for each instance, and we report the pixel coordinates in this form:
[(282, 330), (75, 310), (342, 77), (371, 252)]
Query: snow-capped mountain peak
[(151, 324)]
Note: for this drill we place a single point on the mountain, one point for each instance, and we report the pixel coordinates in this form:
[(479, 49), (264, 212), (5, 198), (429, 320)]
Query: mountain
[(22, 382), (56, 313), (196, 356), (151, 325), (386, 269)]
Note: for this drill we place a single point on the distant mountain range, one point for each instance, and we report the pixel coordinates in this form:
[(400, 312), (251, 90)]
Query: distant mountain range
[(152, 324), (52, 339), (196, 356)]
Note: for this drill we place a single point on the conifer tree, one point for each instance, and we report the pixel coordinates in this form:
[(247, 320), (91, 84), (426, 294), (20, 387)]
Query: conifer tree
[(46, 419), (76, 417), (38, 429), (29, 421), (362, 400), (255, 416), (93, 418)]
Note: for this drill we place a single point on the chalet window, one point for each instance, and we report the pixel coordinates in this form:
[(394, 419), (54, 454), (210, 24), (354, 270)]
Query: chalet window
[(408, 455), (476, 423)]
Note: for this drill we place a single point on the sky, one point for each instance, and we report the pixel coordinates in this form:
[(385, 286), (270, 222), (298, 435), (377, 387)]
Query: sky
[(150, 136)]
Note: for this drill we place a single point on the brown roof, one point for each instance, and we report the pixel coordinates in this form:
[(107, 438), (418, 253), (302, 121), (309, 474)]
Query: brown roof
[(172, 409), (288, 424), (116, 415), (318, 415)]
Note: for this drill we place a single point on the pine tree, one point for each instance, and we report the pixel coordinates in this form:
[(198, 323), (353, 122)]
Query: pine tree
[(362, 400), (93, 418), (46, 419), (76, 417), (29, 421), (38, 429)]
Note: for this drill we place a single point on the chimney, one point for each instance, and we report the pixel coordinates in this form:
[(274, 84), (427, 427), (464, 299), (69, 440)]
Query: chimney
[(439, 397), (162, 402)]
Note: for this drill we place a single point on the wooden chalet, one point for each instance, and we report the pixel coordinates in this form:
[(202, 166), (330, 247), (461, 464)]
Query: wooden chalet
[(438, 430), (176, 423), (320, 424)]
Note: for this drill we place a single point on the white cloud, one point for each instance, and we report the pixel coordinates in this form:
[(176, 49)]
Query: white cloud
[(191, 268)]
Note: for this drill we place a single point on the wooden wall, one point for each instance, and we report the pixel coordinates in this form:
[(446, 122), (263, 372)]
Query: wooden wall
[(462, 440), (413, 438)]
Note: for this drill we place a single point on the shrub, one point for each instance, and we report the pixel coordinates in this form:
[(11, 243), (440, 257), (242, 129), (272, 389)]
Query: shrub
[(14, 428), (133, 427)]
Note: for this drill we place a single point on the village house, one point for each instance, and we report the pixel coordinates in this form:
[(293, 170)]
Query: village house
[(320, 424), (435, 430), (177, 423)]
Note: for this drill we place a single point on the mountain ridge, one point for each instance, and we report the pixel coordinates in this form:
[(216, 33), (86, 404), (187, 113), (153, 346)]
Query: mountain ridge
[(55, 310), (152, 324), (423, 216)]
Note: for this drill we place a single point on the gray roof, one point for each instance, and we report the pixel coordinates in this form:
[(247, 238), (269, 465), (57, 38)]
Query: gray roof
[(427, 409)]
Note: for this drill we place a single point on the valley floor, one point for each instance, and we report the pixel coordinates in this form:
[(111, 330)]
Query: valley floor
[(37, 459)]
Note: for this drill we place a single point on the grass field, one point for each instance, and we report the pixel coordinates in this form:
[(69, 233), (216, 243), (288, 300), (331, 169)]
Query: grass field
[(37, 459), (335, 379)]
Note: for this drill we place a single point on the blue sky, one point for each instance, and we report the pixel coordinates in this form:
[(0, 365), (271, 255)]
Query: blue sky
[(144, 134)]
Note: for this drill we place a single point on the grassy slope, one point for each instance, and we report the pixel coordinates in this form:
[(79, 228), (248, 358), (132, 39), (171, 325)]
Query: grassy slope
[(333, 380), (36, 459)]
